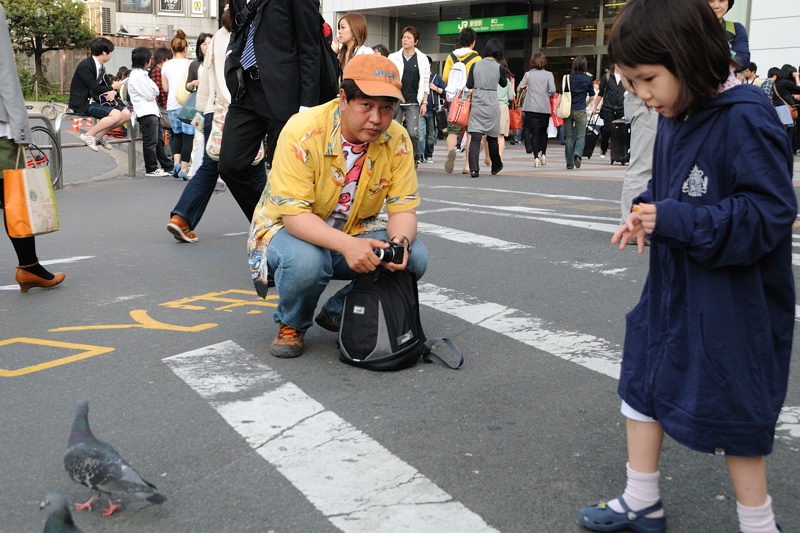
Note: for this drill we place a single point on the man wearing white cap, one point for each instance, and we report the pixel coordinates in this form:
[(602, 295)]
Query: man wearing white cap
[(335, 167)]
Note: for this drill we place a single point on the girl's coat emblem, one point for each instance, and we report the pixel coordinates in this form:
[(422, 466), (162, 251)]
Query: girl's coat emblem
[(696, 184)]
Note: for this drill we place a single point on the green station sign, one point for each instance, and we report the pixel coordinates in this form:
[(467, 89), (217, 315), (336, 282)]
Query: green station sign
[(514, 22)]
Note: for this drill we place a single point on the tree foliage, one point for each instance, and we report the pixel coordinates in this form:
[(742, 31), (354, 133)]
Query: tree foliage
[(37, 26)]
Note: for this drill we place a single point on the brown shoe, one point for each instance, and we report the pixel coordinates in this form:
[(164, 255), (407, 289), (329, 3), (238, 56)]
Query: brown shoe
[(28, 280), (288, 342), (180, 230)]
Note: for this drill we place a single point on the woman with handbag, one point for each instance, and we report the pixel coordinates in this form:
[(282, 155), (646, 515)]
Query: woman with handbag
[(15, 133), (192, 82), (483, 79), (578, 85), (539, 86), (782, 91), (173, 76)]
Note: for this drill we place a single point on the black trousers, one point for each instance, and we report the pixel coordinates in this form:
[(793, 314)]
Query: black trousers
[(246, 124), (475, 152), (534, 132), (152, 144), (608, 116)]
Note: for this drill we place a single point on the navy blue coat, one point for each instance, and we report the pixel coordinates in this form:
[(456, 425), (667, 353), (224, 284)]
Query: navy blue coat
[(707, 347)]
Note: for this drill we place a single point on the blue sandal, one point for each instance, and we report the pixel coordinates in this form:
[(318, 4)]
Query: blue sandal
[(601, 517)]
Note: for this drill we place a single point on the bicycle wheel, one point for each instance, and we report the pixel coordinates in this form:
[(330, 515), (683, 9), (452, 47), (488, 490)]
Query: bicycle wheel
[(46, 150), (50, 111)]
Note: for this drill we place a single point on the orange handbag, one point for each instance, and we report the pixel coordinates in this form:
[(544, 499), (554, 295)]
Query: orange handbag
[(459, 109)]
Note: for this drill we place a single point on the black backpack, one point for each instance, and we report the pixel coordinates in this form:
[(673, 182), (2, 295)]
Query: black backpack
[(329, 68), (381, 328)]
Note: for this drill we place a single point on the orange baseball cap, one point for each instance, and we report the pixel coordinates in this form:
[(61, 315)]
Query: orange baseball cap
[(375, 75)]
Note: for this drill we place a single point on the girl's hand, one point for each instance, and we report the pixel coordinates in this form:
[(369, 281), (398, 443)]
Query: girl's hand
[(640, 223)]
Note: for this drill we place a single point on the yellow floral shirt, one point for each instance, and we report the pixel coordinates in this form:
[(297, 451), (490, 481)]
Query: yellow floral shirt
[(308, 172)]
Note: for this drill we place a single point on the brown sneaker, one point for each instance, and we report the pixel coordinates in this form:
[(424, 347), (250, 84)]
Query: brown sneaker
[(288, 342), (180, 230)]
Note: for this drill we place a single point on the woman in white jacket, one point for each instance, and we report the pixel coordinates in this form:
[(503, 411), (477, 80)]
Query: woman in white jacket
[(212, 93)]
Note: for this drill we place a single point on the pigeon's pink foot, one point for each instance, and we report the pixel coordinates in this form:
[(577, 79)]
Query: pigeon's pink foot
[(111, 507), (87, 505)]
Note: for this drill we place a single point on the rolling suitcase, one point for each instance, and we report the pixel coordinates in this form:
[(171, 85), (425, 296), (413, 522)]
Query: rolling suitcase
[(592, 134), (620, 142)]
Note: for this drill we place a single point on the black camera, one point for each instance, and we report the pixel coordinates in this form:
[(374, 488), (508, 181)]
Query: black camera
[(392, 254)]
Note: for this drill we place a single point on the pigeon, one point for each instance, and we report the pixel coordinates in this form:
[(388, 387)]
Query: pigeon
[(97, 465), (59, 519)]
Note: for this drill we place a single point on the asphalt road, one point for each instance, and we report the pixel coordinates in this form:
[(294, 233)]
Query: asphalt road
[(168, 343)]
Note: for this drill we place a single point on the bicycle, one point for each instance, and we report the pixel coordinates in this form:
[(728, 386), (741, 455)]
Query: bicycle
[(46, 150), (52, 109)]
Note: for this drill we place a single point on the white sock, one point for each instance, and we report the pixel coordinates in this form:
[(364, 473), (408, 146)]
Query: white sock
[(641, 492), (759, 519)]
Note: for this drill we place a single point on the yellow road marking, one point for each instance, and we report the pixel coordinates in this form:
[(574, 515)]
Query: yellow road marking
[(143, 321), (88, 351), (220, 297)]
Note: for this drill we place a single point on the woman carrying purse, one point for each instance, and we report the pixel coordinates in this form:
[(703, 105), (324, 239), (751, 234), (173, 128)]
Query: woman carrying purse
[(15, 133)]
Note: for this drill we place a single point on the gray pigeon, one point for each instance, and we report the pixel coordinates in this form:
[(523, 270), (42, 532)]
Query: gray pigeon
[(97, 465), (59, 519)]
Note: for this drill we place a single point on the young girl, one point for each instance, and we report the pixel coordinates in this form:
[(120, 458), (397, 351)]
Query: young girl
[(707, 349)]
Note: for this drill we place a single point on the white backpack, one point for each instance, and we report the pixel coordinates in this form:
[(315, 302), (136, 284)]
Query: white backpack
[(457, 79)]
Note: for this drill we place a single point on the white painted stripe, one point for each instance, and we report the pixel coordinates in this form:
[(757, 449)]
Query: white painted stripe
[(66, 260), (588, 351), (349, 477), (585, 350), (235, 234), (523, 193), (466, 237)]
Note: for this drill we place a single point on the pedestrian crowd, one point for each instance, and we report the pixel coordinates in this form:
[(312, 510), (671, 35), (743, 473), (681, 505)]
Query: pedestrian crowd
[(341, 127)]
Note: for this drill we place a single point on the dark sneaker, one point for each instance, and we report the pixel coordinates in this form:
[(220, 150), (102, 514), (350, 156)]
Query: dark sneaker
[(288, 342), (324, 320), (577, 161)]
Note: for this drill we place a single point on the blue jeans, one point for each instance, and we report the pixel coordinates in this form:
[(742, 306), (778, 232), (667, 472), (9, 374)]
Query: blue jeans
[(427, 135), (574, 135), (194, 199), (303, 270), (409, 113)]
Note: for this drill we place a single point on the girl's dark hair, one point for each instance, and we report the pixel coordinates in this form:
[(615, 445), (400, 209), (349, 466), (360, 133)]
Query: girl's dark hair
[(579, 64), (140, 57), (493, 48), (687, 40), (178, 43), (787, 72), (538, 61), (199, 51)]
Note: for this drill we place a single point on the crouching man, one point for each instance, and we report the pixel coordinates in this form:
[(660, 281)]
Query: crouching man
[(335, 167)]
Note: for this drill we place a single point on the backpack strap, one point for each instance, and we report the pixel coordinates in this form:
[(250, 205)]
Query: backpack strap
[(431, 357)]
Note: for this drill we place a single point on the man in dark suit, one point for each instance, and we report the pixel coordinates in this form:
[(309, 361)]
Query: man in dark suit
[(273, 71), (90, 94)]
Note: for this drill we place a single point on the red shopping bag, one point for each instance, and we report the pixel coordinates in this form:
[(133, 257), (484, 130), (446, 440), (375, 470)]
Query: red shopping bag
[(553, 107)]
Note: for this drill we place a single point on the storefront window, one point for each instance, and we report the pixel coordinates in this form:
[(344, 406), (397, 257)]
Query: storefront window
[(567, 11), (585, 35), (554, 37), (611, 7)]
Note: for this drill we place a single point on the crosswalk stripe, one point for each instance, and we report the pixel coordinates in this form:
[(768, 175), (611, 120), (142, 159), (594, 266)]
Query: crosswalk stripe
[(588, 351), (349, 477)]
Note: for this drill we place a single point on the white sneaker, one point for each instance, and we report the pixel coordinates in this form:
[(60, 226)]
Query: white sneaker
[(536, 162), (103, 142), (602, 156), (220, 187), (157, 173), (89, 140), (543, 159)]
